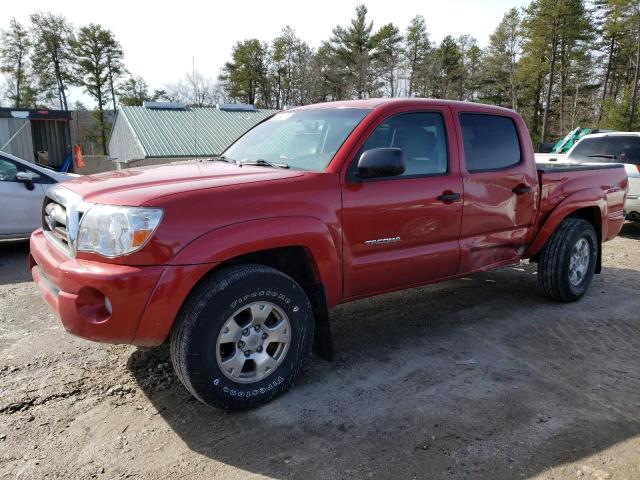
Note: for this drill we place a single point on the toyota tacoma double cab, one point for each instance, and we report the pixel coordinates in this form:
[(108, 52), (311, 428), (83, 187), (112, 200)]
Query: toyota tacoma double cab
[(236, 260)]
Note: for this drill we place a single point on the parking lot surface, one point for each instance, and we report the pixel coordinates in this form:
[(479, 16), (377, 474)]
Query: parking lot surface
[(480, 377)]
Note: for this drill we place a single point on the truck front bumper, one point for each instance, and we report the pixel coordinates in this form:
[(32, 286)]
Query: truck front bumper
[(107, 302), (98, 301)]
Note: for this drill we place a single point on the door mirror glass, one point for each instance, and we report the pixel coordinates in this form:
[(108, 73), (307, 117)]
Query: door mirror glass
[(26, 178), (381, 162)]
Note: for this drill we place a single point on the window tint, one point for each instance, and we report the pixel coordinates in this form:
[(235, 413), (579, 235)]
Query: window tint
[(420, 136), (8, 171), (304, 139), (616, 149), (490, 142)]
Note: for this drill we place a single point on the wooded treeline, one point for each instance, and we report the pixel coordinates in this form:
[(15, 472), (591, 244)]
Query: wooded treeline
[(560, 63)]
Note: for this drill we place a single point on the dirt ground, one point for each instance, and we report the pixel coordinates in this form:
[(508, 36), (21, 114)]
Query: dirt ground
[(480, 377)]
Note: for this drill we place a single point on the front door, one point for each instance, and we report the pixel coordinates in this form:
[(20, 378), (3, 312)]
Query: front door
[(21, 208), (403, 230)]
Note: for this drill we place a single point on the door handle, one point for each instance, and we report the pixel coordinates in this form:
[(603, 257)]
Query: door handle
[(520, 189), (448, 197)]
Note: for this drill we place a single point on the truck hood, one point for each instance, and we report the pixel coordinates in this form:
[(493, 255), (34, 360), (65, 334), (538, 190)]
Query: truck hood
[(138, 186)]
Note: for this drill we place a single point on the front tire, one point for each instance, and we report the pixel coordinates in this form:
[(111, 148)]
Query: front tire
[(568, 260), (242, 336)]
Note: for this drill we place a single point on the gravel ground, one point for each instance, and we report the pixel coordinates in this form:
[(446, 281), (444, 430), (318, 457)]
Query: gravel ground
[(480, 377)]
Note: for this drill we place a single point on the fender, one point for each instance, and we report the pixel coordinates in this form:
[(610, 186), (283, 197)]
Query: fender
[(588, 198), (205, 253), (231, 241)]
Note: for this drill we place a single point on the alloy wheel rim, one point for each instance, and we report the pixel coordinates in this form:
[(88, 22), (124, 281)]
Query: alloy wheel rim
[(579, 262), (253, 342)]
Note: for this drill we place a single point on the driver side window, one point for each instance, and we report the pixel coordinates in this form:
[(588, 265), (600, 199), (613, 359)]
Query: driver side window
[(421, 137), (8, 171)]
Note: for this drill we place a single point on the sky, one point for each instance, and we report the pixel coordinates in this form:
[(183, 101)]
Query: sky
[(161, 38)]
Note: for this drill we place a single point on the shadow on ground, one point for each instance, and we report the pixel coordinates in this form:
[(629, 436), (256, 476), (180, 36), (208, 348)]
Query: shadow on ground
[(12, 269), (631, 230), (476, 378)]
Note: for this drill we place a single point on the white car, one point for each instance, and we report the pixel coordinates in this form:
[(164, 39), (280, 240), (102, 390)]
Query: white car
[(611, 147), (22, 188)]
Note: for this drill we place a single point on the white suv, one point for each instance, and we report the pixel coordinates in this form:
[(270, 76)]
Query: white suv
[(611, 147)]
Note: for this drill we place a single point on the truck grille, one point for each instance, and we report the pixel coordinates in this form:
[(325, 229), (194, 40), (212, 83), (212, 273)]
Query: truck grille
[(61, 213), (54, 221)]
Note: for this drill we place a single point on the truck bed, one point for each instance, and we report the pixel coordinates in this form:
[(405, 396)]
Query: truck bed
[(602, 186)]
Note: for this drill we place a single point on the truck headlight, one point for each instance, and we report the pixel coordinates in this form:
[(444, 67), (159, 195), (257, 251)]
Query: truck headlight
[(112, 231)]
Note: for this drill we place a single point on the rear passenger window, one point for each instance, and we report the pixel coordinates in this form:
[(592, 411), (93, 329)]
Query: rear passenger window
[(490, 142)]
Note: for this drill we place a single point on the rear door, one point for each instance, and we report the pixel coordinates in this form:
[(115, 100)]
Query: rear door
[(400, 231), (500, 189), (20, 208)]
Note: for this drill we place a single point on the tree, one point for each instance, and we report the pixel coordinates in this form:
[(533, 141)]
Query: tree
[(470, 57), (91, 52), (417, 53), (447, 70), (387, 57), (500, 63), (51, 36), (14, 51), (552, 31), (134, 92), (115, 66), (244, 78), (610, 24), (634, 22), (353, 47), (290, 63), (499, 83), (327, 76)]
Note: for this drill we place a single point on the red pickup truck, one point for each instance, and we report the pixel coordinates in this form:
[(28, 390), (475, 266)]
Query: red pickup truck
[(235, 260)]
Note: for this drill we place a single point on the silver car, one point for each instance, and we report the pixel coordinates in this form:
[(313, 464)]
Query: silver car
[(22, 188)]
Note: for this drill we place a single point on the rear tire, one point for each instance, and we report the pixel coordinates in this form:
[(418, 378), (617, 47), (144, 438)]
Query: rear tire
[(568, 260), (242, 337)]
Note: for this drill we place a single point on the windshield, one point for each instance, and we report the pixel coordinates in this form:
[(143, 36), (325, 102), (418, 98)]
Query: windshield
[(612, 149), (304, 139)]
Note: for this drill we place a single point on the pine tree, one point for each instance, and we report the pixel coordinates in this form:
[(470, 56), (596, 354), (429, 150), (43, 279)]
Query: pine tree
[(353, 46), (499, 66), (417, 53), (91, 50), (245, 77), (387, 57), (447, 69), (52, 36), (14, 62), (134, 91)]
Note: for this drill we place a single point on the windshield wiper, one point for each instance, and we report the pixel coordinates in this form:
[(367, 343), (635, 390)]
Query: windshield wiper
[(221, 158), (603, 155), (261, 161)]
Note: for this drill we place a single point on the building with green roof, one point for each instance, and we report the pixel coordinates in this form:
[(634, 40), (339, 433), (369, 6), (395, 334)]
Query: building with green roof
[(160, 132)]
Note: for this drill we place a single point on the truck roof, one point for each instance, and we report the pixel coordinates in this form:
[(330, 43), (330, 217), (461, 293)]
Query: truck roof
[(612, 134), (372, 103)]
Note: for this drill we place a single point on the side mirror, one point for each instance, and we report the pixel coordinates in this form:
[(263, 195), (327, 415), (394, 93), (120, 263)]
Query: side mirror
[(27, 179), (381, 162)]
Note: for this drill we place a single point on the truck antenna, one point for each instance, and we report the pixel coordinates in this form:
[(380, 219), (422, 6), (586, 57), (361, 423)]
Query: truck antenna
[(195, 104)]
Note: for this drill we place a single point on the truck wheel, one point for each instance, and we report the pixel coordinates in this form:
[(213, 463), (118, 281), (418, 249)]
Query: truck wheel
[(568, 260), (242, 336)]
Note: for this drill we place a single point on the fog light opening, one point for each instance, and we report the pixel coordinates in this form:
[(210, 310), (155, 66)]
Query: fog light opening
[(107, 305), (93, 305)]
